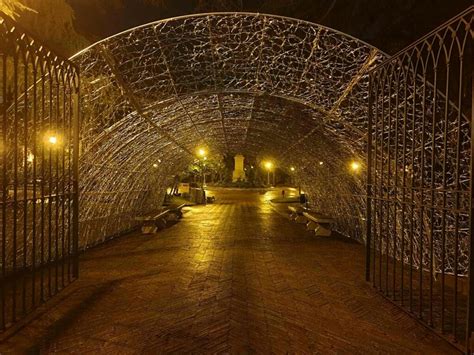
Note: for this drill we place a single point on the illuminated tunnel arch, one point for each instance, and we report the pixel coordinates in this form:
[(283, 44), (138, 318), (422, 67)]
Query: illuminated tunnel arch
[(259, 85)]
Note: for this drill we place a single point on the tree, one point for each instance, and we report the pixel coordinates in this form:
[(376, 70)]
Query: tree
[(13, 8), (51, 21)]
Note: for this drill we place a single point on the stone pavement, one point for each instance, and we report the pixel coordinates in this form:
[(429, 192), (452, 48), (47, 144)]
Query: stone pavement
[(231, 277)]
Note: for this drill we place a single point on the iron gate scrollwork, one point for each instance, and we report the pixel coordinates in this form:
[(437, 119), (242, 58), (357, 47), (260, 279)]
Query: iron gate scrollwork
[(38, 156), (420, 169)]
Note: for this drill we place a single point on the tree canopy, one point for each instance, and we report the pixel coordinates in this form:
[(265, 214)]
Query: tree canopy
[(52, 21)]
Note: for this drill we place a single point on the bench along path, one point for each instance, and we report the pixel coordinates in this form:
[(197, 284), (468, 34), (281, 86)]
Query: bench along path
[(315, 221), (152, 223), (231, 277)]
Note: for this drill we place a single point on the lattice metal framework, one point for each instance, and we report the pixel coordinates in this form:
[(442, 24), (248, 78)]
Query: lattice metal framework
[(253, 84), (420, 194)]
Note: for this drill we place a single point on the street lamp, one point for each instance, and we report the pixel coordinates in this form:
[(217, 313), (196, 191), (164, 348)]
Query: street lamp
[(355, 166), (201, 152), (51, 140), (204, 174), (268, 165), (292, 169)]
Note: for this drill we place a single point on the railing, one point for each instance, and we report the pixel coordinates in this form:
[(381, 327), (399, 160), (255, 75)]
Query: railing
[(420, 169), (39, 177)]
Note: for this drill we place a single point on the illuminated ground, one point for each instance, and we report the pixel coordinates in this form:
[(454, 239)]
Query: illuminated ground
[(234, 277)]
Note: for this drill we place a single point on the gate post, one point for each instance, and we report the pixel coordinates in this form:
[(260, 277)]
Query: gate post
[(75, 168), (368, 232), (470, 295)]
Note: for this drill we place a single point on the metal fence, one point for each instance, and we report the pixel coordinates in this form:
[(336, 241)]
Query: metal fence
[(38, 156), (420, 169)]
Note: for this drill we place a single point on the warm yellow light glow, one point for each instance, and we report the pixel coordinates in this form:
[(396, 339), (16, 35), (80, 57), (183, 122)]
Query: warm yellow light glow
[(155, 165), (159, 160), (355, 166), (268, 165), (321, 163), (52, 140), (292, 168), (201, 152), (30, 158)]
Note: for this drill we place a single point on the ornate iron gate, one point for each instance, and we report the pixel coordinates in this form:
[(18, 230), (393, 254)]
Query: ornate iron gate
[(38, 156), (420, 190)]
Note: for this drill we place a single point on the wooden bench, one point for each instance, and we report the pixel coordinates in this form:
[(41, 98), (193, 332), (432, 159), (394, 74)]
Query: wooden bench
[(296, 214), (177, 210), (321, 224), (151, 224)]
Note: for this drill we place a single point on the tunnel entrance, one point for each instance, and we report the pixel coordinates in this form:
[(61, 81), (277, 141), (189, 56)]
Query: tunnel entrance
[(235, 83), (257, 85)]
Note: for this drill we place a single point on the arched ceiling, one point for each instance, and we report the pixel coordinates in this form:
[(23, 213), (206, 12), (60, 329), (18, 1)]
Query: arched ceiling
[(254, 84)]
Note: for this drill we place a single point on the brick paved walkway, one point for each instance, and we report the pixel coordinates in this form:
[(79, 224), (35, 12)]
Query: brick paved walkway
[(232, 277)]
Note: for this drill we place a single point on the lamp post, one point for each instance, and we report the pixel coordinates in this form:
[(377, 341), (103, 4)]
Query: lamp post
[(292, 169), (52, 144), (268, 166), (204, 174), (202, 155)]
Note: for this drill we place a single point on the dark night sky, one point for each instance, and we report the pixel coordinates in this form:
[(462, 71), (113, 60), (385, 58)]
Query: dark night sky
[(388, 24)]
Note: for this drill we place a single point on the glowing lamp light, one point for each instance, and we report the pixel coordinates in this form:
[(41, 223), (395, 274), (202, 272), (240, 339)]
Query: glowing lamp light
[(355, 166), (292, 168), (201, 152), (155, 165), (52, 140), (321, 163), (268, 165)]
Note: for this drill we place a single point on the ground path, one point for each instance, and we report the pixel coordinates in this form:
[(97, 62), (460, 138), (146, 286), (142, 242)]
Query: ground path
[(232, 277)]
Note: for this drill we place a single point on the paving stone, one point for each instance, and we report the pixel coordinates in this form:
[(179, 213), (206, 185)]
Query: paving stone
[(231, 277)]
